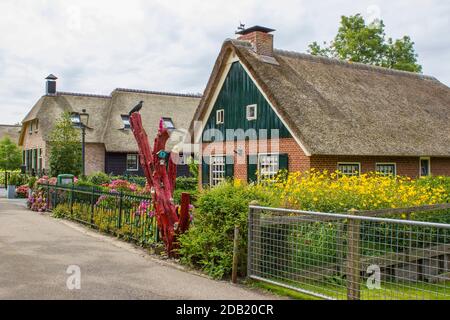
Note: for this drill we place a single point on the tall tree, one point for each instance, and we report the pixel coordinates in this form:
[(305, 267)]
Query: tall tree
[(65, 147), (10, 155), (366, 43)]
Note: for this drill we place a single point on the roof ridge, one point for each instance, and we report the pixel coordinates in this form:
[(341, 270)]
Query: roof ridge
[(354, 65), (190, 95), (79, 94), (10, 125)]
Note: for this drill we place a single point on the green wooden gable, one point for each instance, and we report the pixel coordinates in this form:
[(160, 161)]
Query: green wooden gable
[(237, 92)]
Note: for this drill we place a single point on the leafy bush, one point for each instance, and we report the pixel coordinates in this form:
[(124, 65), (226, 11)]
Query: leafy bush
[(31, 181), (209, 242), (185, 184), (99, 178), (3, 174), (22, 191), (17, 179)]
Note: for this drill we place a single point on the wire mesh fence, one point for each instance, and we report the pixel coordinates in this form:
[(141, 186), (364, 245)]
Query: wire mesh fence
[(129, 216), (353, 256)]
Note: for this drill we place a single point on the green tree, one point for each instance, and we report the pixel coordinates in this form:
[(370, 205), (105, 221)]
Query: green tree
[(10, 155), (65, 147), (366, 43)]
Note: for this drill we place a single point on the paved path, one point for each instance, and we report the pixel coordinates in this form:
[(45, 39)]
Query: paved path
[(36, 250)]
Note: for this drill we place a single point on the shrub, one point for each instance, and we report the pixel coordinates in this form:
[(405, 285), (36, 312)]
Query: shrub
[(31, 181), (99, 178), (22, 191), (17, 179), (37, 201), (209, 242), (184, 184)]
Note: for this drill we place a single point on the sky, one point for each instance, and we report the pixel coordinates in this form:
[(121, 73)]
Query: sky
[(96, 46)]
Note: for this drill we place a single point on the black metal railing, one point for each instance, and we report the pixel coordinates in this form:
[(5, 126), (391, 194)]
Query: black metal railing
[(127, 216)]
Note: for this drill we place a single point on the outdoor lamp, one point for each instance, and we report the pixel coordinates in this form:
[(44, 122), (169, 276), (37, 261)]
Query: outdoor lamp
[(84, 118)]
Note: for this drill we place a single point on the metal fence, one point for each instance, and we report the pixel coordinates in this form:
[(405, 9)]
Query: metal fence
[(353, 256), (125, 215)]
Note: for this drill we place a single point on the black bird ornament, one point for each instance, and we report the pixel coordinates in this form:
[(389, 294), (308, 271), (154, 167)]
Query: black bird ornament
[(136, 108)]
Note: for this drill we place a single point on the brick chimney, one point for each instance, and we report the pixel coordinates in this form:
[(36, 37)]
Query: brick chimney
[(50, 85), (259, 37)]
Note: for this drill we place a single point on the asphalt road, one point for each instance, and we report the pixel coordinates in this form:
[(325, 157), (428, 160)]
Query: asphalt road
[(36, 251)]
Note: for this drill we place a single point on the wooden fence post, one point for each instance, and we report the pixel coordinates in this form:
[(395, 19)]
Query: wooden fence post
[(353, 258), (234, 271)]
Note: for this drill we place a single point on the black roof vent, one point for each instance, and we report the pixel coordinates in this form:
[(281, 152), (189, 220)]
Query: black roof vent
[(51, 77), (243, 31)]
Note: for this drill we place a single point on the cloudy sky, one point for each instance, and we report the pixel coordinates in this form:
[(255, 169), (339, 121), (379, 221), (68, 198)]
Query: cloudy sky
[(96, 46)]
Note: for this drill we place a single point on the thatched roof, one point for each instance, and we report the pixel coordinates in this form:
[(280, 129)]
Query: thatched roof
[(179, 107), (50, 107), (11, 131), (105, 122), (343, 108)]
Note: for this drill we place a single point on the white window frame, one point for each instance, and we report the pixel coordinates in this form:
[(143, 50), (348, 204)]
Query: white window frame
[(247, 112), (214, 178), (349, 163), (272, 173), (36, 125), (386, 164), (220, 116), (429, 166), (30, 128), (137, 162)]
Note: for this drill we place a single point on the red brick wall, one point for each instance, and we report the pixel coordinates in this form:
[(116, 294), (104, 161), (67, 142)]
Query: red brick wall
[(440, 166), (406, 166), (298, 161)]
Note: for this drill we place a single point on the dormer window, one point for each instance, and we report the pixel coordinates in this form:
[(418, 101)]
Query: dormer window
[(168, 123), (251, 112), (30, 129), (126, 121), (36, 125), (220, 115)]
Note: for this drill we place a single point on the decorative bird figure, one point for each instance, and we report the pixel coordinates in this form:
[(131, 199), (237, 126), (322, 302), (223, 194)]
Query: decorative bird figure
[(136, 108)]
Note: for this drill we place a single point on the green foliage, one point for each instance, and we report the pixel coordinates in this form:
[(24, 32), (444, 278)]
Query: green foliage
[(65, 148), (366, 43), (99, 178), (10, 155), (185, 184), (17, 179), (208, 244), (31, 181), (193, 167), (139, 180)]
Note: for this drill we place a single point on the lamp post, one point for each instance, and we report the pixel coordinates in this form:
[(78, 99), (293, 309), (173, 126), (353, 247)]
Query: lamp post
[(84, 118)]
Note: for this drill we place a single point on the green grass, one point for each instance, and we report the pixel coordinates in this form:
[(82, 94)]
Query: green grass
[(388, 291)]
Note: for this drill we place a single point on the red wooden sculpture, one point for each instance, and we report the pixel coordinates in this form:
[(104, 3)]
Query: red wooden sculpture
[(161, 171)]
